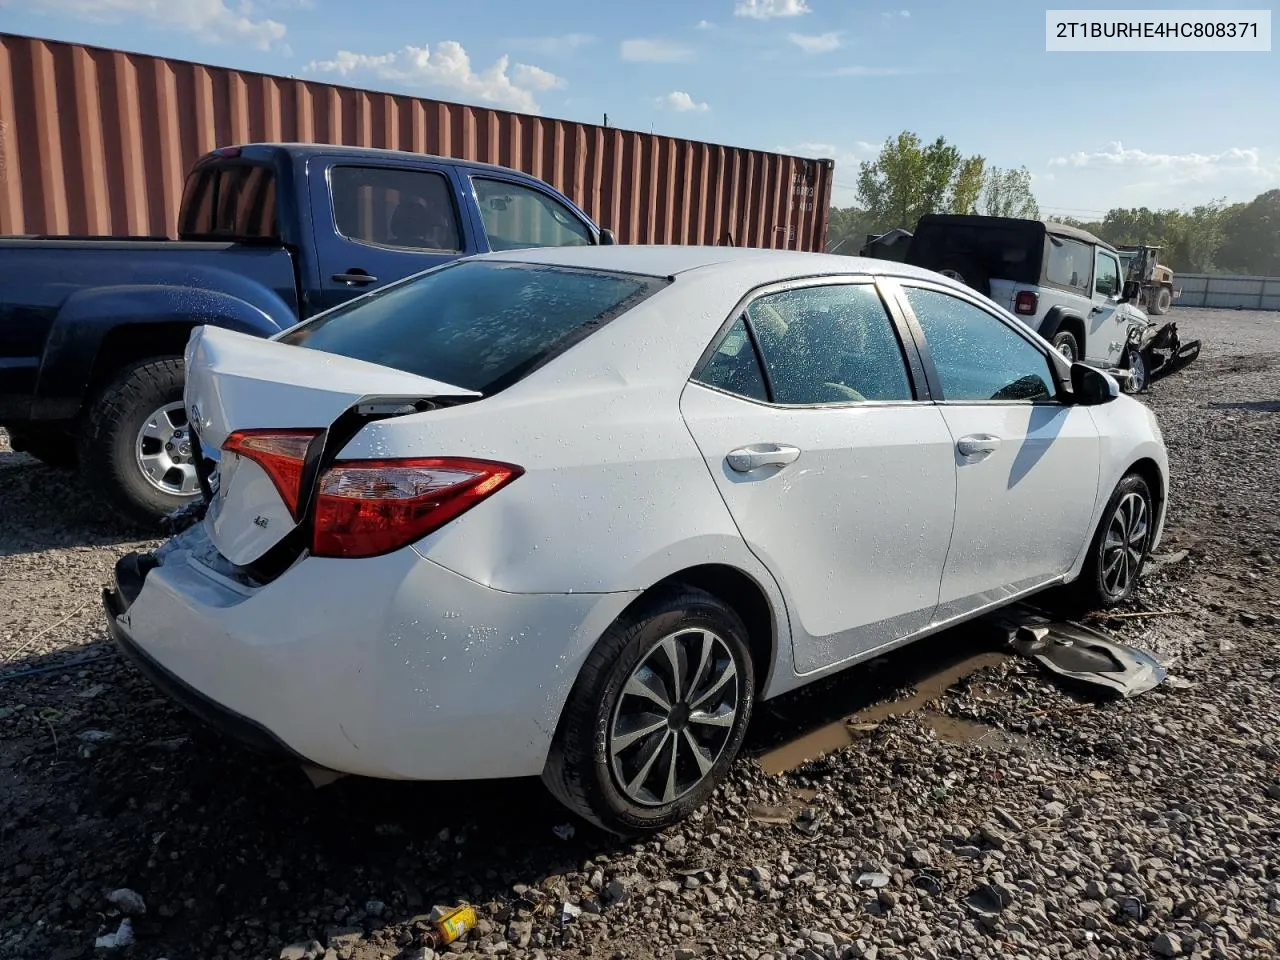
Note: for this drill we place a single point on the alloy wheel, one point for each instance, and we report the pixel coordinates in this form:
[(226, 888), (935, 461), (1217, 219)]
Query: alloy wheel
[(674, 717), (1125, 544), (1137, 371), (1067, 350), (163, 451)]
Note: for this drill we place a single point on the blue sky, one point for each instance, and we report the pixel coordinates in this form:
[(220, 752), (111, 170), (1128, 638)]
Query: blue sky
[(815, 77)]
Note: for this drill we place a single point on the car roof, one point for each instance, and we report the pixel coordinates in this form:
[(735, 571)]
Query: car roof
[(655, 260)]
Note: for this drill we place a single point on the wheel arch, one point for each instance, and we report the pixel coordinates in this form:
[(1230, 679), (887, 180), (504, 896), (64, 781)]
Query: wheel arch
[(1149, 470), (745, 595), (1057, 320)]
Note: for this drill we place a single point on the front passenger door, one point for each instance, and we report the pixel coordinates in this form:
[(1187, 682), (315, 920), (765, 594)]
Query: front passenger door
[(1026, 464), (1107, 323)]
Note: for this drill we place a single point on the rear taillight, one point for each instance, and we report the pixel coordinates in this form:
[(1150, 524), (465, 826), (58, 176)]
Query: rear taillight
[(281, 453), (1026, 302), (369, 507)]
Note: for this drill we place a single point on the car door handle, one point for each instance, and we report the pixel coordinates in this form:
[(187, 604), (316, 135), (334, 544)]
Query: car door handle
[(757, 455), (979, 444), (357, 277)]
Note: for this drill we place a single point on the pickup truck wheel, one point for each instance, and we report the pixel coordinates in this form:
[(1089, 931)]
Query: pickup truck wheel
[(1064, 341), (135, 447)]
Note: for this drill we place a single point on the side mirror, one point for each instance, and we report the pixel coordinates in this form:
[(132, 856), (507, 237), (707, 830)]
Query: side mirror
[(1130, 291), (1091, 387), (607, 239)]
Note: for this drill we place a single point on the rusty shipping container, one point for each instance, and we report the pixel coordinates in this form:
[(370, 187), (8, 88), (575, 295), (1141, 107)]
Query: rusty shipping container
[(97, 142)]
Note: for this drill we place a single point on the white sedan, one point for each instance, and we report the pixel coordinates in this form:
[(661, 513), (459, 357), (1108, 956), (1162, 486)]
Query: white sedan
[(572, 512)]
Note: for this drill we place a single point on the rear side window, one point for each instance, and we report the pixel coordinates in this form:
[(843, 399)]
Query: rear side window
[(516, 217), (390, 207), (829, 344), (1069, 264), (734, 367), (230, 201), (478, 325)]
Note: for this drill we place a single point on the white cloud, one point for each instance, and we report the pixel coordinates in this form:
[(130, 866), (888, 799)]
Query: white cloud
[(705, 25), (654, 51), (448, 69), (768, 9), (681, 102), (816, 42), (553, 46), (210, 20), (1176, 167), (888, 15)]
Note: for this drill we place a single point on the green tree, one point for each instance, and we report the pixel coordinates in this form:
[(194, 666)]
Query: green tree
[(1007, 193), (910, 179), (1251, 236)]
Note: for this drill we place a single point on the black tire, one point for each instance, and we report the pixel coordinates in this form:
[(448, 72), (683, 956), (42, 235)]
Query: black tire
[(1064, 340), (580, 771), (1162, 302), (1092, 590), (57, 450), (109, 435)]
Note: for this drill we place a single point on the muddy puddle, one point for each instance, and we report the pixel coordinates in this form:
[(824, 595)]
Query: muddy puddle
[(820, 736)]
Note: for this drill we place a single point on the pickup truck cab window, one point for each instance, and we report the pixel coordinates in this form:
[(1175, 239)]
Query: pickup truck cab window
[(389, 207), (517, 216)]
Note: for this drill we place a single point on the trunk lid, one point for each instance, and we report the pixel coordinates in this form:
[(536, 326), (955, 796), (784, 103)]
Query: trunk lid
[(237, 382)]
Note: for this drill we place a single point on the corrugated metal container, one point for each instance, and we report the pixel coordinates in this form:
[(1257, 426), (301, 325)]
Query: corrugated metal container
[(98, 142)]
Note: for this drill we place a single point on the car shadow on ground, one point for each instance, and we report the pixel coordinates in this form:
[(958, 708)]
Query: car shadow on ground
[(43, 508)]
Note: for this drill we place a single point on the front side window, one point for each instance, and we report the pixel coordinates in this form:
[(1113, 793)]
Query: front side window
[(516, 217), (393, 207), (1069, 263), (976, 356), (829, 344), (1108, 276)]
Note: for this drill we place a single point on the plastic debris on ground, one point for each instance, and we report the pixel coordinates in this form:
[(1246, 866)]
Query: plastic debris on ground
[(127, 901), (1079, 653)]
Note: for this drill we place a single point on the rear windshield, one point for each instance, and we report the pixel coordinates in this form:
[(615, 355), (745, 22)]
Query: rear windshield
[(229, 201), (481, 325)]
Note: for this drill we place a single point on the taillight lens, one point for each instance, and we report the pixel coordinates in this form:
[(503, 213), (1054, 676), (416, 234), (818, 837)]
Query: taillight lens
[(365, 508), (281, 453), (1026, 302)]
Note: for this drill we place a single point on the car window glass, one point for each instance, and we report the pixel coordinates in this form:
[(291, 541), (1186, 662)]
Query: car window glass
[(1108, 276), (829, 344), (734, 367), (977, 357), (230, 201), (1069, 263), (515, 216), (411, 209), (482, 325)]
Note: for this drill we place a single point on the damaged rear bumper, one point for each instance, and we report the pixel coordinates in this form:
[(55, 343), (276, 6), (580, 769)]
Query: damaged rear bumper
[(130, 574)]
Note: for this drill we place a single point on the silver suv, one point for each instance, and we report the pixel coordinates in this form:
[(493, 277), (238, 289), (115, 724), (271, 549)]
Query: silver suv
[(1062, 282)]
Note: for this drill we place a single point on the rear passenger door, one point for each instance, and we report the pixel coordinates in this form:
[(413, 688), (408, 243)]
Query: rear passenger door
[(1026, 464), (836, 470), (380, 222)]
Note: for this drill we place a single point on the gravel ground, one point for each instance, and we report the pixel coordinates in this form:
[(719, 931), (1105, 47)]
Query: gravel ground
[(1004, 817)]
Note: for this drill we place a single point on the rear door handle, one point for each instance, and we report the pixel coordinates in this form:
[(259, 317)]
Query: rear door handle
[(357, 277), (978, 445), (757, 455)]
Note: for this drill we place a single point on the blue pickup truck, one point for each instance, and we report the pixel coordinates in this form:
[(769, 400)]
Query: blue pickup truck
[(92, 330)]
